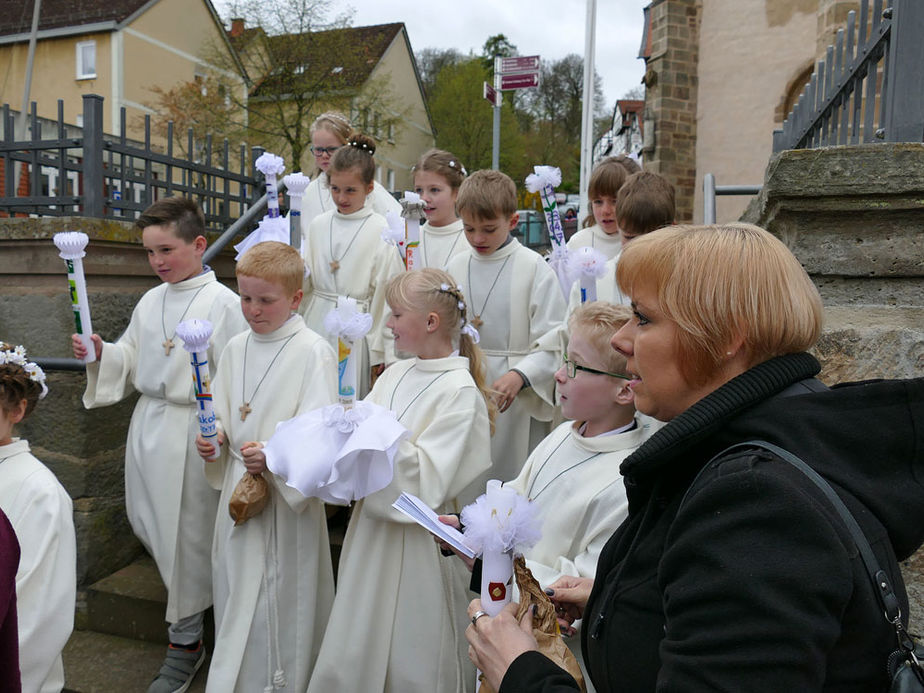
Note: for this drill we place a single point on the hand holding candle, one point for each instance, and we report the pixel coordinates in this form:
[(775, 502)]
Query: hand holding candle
[(71, 246), (195, 335)]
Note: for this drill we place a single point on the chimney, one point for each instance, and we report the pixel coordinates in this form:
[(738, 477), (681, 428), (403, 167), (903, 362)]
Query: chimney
[(237, 26)]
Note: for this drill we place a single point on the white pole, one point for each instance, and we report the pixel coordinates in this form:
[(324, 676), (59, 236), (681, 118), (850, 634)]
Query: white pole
[(498, 96), (587, 122), (29, 61)]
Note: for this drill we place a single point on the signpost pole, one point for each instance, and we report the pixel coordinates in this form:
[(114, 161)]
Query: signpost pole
[(498, 96)]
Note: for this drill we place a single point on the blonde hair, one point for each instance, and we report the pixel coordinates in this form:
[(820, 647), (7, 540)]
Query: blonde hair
[(443, 164), (487, 194), (721, 284), (433, 290), (357, 153), (334, 122), (274, 262), (598, 321)]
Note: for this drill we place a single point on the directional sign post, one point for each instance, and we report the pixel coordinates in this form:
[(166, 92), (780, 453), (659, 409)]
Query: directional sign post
[(517, 72)]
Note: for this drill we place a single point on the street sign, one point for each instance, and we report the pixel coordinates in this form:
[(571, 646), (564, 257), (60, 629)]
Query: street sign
[(490, 95), (524, 80), (519, 63)]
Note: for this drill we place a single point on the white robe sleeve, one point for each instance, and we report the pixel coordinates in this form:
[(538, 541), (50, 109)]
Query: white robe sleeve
[(109, 380), (380, 339)]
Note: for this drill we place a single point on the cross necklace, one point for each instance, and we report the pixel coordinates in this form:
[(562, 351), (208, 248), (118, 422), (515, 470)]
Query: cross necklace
[(477, 322), (245, 407), (335, 261), (168, 341)]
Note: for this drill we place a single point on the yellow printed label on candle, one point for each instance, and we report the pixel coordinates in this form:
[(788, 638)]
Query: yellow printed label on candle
[(343, 354)]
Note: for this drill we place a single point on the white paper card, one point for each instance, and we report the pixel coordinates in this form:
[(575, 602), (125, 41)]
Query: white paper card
[(418, 511)]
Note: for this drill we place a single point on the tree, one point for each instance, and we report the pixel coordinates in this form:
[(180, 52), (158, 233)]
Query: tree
[(298, 60), (497, 46), (431, 61)]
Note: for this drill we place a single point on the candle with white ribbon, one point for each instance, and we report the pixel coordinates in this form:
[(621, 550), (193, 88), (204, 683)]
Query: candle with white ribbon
[(271, 166), (395, 233), (195, 334), (71, 246), (587, 265), (350, 325), (544, 180), (296, 184), (412, 209)]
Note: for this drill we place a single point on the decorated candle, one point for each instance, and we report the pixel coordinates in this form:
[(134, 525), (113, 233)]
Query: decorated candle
[(412, 209), (349, 324), (587, 265), (296, 184), (543, 181), (271, 166), (195, 334), (71, 246)]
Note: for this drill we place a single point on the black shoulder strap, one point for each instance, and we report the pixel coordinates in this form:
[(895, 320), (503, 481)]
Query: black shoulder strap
[(882, 585)]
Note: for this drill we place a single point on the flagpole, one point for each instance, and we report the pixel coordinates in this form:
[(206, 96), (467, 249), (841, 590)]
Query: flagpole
[(587, 121)]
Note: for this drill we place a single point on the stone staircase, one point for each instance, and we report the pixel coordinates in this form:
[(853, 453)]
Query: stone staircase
[(120, 638)]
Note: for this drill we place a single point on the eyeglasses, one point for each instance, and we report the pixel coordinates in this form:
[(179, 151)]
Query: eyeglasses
[(318, 151), (571, 368)]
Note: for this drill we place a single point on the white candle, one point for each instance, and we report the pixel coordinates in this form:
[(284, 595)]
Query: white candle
[(71, 245), (195, 335), (497, 564), (349, 324), (296, 184), (412, 210)]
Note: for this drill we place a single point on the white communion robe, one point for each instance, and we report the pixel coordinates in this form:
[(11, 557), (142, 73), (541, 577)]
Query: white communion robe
[(524, 305), (595, 237), (439, 244), (170, 506), (41, 512), (273, 578), (580, 496), (399, 618), (366, 264), (317, 200)]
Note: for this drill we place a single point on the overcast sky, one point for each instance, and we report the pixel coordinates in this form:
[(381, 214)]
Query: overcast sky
[(549, 28)]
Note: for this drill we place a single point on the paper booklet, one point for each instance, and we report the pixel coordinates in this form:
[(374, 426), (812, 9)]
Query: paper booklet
[(418, 511)]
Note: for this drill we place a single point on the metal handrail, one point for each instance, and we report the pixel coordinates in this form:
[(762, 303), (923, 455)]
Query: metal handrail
[(710, 190)]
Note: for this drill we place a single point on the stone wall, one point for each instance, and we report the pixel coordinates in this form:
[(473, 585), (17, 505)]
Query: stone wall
[(85, 449), (854, 216), (671, 96)]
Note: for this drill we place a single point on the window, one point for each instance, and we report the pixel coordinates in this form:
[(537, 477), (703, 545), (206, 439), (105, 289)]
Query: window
[(86, 59), (391, 132), (391, 180)]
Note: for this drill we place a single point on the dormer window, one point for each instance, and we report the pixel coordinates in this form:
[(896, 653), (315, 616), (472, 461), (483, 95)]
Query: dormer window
[(86, 59)]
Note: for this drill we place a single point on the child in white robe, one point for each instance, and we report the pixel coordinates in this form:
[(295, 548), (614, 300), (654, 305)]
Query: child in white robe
[(41, 512), (346, 256), (573, 475), (515, 300), (399, 615), (437, 177), (606, 180), (329, 132), (644, 203), (273, 579), (170, 506)]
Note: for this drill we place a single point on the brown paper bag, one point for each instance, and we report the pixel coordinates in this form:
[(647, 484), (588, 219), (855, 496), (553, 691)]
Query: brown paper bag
[(545, 625), (249, 498)]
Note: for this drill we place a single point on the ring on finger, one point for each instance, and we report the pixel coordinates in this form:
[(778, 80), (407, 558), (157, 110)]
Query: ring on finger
[(478, 614)]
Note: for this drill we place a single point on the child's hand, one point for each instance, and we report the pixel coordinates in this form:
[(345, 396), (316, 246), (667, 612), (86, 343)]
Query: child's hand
[(374, 373), (207, 449), (452, 521), (506, 388), (80, 351), (254, 459)]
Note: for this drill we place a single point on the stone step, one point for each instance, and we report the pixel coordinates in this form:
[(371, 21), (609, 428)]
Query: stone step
[(130, 603), (101, 663)]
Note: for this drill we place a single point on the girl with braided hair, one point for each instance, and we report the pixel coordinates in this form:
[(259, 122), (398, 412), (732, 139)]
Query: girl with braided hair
[(41, 512), (400, 609)]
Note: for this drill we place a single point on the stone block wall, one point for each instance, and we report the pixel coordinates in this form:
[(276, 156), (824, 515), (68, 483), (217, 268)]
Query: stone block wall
[(670, 96)]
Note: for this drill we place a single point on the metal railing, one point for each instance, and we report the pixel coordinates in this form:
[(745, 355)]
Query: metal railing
[(869, 86), (84, 172), (710, 190)]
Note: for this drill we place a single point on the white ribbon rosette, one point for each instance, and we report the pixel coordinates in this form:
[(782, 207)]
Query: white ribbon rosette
[(395, 233), (338, 455), (71, 246), (587, 265), (544, 180)]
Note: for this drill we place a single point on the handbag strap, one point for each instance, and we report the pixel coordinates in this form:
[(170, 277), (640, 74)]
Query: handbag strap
[(882, 584)]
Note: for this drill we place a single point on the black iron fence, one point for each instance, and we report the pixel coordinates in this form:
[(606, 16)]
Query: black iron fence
[(869, 86), (81, 171)]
